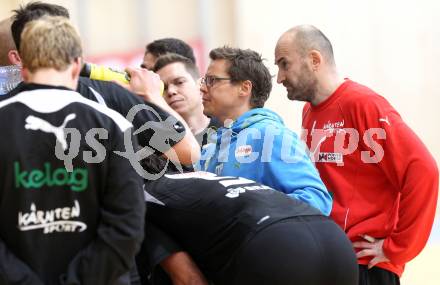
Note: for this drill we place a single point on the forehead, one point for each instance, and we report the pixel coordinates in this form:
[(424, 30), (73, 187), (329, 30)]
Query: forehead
[(218, 67), (149, 60), (173, 70), (285, 48)]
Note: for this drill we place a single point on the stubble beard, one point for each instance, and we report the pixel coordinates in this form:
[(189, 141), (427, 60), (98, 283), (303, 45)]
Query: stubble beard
[(305, 89)]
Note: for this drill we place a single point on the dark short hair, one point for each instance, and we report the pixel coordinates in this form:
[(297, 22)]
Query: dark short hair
[(170, 45), (247, 65), (170, 58), (33, 11)]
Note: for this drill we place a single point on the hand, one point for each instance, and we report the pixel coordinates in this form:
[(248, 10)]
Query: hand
[(146, 84), (371, 247)]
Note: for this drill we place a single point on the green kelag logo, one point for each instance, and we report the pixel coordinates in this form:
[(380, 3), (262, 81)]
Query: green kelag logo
[(78, 179)]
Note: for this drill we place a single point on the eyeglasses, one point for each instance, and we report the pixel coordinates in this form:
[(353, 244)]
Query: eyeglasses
[(210, 80)]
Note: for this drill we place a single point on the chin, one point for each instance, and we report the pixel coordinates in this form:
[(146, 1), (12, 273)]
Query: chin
[(207, 112), (291, 97), (297, 97)]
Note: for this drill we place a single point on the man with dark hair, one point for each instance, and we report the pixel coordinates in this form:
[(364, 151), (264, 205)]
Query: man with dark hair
[(241, 232), (386, 182), (163, 46), (168, 138), (71, 207), (180, 76), (246, 65), (255, 144), (33, 11), (171, 57)]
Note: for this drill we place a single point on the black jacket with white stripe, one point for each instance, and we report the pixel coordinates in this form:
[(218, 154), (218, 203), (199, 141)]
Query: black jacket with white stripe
[(71, 209)]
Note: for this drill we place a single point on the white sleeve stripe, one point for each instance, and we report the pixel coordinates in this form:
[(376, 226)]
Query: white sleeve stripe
[(98, 96), (53, 100)]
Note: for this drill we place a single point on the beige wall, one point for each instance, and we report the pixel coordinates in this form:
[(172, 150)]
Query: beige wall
[(5, 7)]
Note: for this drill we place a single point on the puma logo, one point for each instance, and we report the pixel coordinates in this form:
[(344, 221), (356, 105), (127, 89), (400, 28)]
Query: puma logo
[(35, 123), (385, 120)]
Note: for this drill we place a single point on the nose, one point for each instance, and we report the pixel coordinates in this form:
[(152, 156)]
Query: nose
[(171, 90), (203, 88), (280, 76)]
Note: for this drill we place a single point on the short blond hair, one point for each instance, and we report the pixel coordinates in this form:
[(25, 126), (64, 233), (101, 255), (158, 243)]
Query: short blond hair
[(49, 42)]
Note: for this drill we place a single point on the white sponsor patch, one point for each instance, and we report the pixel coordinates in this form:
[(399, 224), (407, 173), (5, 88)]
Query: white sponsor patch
[(243, 150), (235, 192), (332, 157), (55, 220)]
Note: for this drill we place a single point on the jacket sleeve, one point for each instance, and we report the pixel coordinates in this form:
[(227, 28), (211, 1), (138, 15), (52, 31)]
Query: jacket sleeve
[(291, 171), (14, 271), (411, 169), (120, 230), (156, 128)]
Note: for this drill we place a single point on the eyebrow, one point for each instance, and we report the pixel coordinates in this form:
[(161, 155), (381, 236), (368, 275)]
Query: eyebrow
[(178, 78), (279, 60)]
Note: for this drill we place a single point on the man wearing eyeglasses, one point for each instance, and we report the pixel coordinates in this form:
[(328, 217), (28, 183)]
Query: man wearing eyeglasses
[(255, 144)]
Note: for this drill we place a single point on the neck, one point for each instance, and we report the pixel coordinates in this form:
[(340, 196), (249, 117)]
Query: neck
[(233, 113), (196, 120), (197, 123), (327, 87), (53, 77)]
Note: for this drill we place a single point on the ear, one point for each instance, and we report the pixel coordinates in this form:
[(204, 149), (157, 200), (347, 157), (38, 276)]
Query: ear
[(246, 88), (315, 59), (76, 67), (14, 57)]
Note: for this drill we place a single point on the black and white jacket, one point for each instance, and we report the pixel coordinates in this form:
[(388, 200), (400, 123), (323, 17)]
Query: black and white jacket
[(71, 209)]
